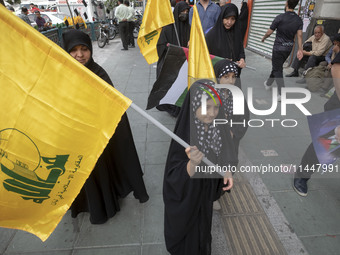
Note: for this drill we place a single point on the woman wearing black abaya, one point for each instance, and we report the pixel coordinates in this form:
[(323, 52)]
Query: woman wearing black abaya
[(188, 195), (117, 171), (168, 35), (225, 38)]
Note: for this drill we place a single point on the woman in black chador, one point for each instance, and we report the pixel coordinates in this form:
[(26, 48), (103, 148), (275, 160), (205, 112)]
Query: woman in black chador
[(225, 38), (117, 171), (189, 195), (168, 35)]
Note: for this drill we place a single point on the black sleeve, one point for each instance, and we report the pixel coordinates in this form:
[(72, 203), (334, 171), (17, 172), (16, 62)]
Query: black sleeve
[(163, 40), (275, 23), (301, 24), (242, 54)]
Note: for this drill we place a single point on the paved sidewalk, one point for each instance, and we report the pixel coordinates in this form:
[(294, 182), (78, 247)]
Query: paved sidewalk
[(308, 225)]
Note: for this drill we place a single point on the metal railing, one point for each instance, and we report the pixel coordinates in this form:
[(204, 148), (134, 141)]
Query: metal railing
[(55, 34)]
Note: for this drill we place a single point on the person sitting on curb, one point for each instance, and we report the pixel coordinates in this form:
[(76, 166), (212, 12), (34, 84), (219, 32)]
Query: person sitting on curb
[(320, 46), (320, 76), (333, 51)]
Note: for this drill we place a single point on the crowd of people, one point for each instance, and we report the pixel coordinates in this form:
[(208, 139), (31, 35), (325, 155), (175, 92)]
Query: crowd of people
[(188, 195), (42, 22)]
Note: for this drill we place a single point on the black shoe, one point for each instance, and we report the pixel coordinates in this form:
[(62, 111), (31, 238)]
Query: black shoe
[(301, 81), (131, 46), (300, 186), (124, 49), (293, 74)]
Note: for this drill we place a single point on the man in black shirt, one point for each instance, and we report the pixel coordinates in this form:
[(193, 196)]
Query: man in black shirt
[(287, 25)]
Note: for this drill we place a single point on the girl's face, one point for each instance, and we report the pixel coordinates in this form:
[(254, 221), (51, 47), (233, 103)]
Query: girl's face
[(228, 78), (212, 111), (81, 53), (229, 22)]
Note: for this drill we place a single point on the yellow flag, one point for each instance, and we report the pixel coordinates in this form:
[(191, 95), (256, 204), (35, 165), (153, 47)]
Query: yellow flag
[(56, 117), (199, 61), (157, 14)]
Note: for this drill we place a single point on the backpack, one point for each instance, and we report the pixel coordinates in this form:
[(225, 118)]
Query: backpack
[(315, 77)]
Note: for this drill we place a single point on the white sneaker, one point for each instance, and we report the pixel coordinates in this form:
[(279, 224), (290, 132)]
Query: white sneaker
[(266, 86), (279, 98)]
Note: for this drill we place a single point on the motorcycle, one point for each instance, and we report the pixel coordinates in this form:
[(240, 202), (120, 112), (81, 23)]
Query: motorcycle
[(103, 37), (113, 28), (138, 23)]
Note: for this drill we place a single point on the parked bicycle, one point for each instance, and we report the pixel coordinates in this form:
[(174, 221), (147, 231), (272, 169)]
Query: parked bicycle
[(103, 37)]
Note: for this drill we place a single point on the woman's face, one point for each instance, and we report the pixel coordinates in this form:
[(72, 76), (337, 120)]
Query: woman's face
[(228, 78), (212, 111), (229, 22), (183, 16), (81, 53)]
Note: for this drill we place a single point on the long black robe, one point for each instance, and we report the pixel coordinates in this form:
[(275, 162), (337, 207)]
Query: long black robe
[(226, 43), (117, 171), (188, 201), (168, 35)]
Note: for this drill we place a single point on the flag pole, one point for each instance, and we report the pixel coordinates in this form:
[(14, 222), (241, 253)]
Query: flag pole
[(69, 8), (251, 68), (179, 44), (168, 132)]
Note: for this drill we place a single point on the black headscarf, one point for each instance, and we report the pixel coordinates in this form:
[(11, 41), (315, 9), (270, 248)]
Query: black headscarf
[(75, 37), (168, 34), (226, 43), (225, 66), (183, 28)]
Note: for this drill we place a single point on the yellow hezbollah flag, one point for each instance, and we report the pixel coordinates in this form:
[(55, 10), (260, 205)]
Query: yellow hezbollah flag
[(157, 14), (56, 118), (199, 65)]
